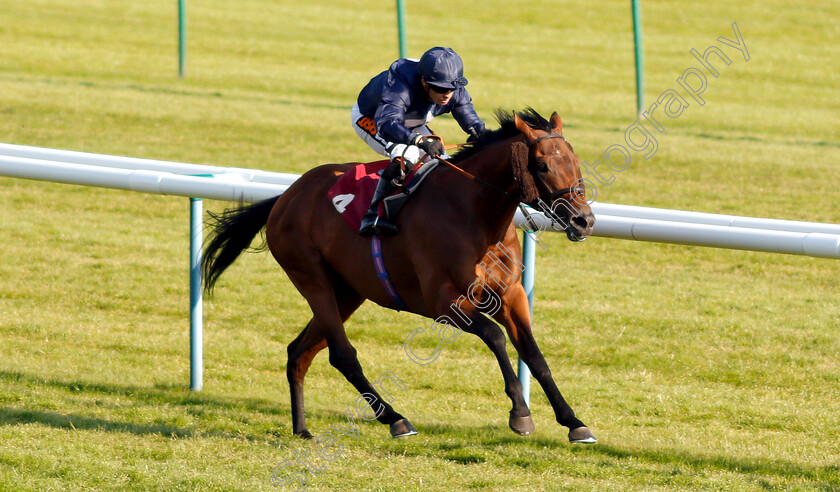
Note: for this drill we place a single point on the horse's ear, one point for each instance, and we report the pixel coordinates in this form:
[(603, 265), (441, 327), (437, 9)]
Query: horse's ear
[(530, 134), (524, 180), (556, 123)]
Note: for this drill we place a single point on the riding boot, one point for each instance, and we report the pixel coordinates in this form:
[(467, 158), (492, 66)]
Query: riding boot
[(371, 222)]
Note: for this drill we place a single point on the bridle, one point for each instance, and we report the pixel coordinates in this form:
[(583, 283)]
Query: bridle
[(538, 181), (553, 196), (571, 190)]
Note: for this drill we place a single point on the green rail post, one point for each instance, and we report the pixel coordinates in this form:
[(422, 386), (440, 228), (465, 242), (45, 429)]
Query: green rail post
[(401, 27), (182, 38), (637, 40)]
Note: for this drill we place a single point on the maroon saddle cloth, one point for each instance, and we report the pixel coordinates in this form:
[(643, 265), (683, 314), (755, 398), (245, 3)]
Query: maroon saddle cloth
[(352, 193)]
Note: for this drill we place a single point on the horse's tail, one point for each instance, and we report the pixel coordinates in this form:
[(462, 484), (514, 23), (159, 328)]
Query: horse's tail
[(232, 233)]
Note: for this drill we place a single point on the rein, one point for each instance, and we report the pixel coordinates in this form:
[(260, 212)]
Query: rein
[(476, 178), (571, 190)]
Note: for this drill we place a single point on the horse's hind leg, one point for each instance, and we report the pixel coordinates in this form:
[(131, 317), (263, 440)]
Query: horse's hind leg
[(516, 318), (302, 351), (343, 357), (332, 302)]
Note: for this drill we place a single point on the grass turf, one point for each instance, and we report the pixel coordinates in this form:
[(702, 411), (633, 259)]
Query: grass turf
[(696, 368)]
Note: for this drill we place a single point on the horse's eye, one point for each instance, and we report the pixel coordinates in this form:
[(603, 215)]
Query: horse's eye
[(542, 167)]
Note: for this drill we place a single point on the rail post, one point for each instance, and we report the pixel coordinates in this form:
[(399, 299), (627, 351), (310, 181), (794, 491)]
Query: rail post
[(401, 28), (637, 41), (182, 38), (528, 259), (196, 312)]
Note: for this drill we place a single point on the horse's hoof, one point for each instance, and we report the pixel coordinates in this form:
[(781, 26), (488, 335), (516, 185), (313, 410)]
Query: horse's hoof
[(582, 435), (523, 426), (304, 434), (402, 428)]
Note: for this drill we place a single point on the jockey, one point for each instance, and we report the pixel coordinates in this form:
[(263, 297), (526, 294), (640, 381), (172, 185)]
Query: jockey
[(392, 112)]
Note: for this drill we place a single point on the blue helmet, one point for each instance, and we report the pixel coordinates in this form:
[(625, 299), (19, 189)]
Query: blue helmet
[(442, 67)]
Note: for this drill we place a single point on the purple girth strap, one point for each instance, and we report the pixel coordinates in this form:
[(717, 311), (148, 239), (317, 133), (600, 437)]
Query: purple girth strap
[(382, 273)]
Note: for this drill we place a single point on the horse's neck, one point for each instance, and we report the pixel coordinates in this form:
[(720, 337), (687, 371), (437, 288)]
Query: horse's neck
[(486, 207)]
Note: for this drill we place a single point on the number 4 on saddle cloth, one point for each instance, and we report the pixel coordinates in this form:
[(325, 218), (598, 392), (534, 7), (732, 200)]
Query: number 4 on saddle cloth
[(352, 193)]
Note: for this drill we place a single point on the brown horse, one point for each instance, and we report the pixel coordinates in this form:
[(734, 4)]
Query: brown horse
[(446, 230)]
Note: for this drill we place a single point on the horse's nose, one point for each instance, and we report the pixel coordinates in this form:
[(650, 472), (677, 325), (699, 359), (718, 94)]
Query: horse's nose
[(584, 223)]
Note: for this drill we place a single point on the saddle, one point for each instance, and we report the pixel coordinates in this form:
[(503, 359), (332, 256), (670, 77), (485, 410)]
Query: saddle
[(352, 193)]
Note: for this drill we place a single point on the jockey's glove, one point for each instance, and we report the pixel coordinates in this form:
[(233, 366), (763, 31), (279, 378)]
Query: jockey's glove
[(475, 135), (431, 146)]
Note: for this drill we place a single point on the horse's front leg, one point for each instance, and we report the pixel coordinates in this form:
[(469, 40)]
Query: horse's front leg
[(470, 320), (515, 316), (520, 416)]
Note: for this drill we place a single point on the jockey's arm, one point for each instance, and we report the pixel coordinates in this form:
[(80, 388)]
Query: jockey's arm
[(464, 113), (390, 120)]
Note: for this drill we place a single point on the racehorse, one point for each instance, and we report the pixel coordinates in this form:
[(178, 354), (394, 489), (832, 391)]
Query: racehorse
[(446, 230)]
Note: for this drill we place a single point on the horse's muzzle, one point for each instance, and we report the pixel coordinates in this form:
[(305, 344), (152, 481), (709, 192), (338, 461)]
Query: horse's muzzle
[(580, 226)]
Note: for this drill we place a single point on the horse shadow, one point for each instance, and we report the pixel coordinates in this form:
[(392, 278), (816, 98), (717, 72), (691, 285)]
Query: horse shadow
[(160, 394), (478, 444), (173, 395)]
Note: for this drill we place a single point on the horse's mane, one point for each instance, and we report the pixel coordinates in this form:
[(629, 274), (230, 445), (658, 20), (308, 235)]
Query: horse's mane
[(506, 130)]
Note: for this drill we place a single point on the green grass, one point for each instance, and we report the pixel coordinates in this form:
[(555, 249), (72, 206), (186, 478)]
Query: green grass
[(696, 368)]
